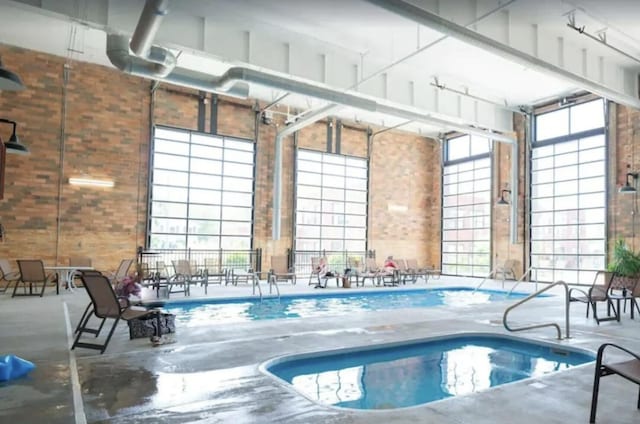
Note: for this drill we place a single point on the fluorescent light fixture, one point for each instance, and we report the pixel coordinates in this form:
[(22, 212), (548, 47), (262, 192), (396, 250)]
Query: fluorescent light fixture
[(91, 182), (397, 208)]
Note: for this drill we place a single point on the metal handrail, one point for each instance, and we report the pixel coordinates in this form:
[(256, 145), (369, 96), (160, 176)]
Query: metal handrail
[(492, 275), (256, 282), (488, 277), (274, 282), (521, 279), (550, 324)]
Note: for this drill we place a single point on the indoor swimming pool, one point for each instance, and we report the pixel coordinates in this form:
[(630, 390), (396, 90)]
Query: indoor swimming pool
[(205, 311), (415, 372)]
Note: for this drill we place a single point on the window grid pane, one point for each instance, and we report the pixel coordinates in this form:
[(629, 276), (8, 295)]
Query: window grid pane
[(568, 206), (331, 202), (202, 191), (466, 211)]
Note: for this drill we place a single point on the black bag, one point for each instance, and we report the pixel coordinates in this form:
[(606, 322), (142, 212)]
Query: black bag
[(146, 326)]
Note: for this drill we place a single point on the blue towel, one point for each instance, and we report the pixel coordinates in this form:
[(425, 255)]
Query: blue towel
[(12, 367)]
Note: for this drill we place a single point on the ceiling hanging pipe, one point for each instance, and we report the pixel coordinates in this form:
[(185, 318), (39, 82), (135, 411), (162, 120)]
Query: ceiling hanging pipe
[(142, 40), (148, 24)]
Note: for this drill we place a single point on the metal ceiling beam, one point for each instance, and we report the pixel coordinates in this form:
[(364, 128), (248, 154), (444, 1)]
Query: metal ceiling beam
[(435, 22)]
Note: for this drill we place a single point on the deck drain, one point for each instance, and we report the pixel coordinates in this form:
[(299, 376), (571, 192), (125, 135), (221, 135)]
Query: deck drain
[(538, 385), (282, 338)]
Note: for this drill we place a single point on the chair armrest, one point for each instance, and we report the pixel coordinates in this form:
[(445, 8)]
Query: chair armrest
[(615, 346), (584, 293), (11, 276)]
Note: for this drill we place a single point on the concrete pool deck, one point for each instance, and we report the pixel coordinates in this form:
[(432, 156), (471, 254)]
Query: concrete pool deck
[(211, 375)]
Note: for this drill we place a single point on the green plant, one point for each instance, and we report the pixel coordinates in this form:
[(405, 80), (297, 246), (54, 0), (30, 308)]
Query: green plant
[(624, 261)]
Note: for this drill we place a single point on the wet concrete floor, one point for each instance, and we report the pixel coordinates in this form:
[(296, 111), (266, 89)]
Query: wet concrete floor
[(211, 373)]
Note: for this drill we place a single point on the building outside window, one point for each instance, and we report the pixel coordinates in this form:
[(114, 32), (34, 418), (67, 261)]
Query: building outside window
[(201, 191), (331, 202), (568, 193), (466, 207)]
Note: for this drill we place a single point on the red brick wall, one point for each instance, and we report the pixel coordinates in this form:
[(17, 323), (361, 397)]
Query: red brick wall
[(404, 199), (106, 136), (624, 157)]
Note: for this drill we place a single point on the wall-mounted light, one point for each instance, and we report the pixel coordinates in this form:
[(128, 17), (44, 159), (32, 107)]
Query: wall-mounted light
[(502, 200), (13, 145), (629, 187), (91, 182), (9, 81)]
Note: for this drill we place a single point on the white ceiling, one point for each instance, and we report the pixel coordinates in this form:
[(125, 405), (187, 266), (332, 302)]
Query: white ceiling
[(341, 42)]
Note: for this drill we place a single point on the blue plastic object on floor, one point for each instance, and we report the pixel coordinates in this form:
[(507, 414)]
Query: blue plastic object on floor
[(12, 367)]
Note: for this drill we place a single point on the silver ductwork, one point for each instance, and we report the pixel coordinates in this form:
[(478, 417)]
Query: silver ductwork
[(148, 25), (159, 63), (121, 58)]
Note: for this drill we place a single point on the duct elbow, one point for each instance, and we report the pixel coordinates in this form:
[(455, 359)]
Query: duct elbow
[(118, 52), (161, 63)]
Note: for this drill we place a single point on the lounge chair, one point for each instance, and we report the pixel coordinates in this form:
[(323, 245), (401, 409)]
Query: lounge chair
[(317, 273), (32, 273), (422, 272), (629, 369), (9, 276), (106, 305), (88, 309), (216, 274), (598, 292), (371, 272), (404, 272), (507, 270), (315, 266), (280, 270), (121, 272), (354, 264)]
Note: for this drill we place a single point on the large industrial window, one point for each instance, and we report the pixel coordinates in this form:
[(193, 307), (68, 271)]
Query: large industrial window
[(568, 195), (466, 207), (201, 191), (331, 202)]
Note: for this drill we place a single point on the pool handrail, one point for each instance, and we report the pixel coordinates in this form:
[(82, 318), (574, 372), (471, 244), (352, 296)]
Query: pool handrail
[(521, 279), (256, 283), (549, 324), (488, 277), (493, 273)]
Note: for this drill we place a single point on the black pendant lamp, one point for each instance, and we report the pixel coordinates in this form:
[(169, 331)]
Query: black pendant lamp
[(9, 81)]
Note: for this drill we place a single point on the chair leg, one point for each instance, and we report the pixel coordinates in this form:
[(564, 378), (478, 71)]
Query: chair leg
[(84, 314), (616, 312), (15, 288), (594, 396), (595, 312), (106, 342), (100, 347)]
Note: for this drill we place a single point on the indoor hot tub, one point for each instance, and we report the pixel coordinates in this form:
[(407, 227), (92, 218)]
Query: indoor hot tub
[(415, 372)]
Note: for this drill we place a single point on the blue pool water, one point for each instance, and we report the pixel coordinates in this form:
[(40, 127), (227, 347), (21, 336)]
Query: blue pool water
[(312, 305), (415, 373)]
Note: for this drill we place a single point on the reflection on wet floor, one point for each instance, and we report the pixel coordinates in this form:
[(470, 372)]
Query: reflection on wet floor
[(111, 390)]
